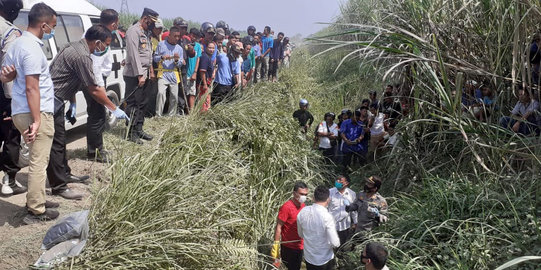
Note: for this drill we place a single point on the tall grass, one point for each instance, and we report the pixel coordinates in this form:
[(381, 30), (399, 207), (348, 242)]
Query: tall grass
[(466, 193)]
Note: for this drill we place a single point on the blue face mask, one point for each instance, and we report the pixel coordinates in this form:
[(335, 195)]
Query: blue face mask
[(113, 32), (47, 36), (338, 185), (100, 53)]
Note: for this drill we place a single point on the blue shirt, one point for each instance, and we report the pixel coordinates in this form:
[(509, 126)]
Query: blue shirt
[(192, 61), (246, 65), (28, 58), (226, 69), (214, 54), (267, 43), (165, 48), (352, 132), (257, 50)]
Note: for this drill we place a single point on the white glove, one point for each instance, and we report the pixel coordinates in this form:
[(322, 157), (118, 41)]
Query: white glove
[(382, 218), (120, 114), (346, 202)]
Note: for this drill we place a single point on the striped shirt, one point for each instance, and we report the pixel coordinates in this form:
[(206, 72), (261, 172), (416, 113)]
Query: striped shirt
[(72, 70)]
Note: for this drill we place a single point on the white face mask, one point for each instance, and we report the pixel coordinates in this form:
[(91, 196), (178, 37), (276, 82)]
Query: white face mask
[(302, 199)]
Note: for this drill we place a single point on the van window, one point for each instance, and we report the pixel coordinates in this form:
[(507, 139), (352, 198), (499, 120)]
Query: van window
[(74, 27), (60, 35), (22, 23)]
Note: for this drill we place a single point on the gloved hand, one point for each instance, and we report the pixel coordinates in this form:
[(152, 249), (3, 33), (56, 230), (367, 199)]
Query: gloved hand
[(275, 249), (120, 114), (374, 210), (346, 202), (72, 113), (382, 218)]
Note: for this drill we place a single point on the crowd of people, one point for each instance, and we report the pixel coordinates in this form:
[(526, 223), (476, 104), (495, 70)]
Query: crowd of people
[(206, 65), (337, 220)]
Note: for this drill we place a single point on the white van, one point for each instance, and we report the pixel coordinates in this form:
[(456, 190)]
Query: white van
[(74, 18)]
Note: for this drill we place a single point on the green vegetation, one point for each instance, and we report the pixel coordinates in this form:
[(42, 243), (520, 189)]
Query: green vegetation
[(463, 194)]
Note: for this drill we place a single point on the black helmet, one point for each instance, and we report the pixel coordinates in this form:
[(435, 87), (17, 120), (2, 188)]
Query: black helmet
[(205, 26), (222, 24), (250, 28), (248, 40), (11, 8)]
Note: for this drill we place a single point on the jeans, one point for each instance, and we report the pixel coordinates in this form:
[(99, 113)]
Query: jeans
[(257, 74), (264, 67), (39, 157)]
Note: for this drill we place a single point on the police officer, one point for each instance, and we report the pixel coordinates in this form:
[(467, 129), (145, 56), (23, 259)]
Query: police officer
[(138, 71), (9, 135)]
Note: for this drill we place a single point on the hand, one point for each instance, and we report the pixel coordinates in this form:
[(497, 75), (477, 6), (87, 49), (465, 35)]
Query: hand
[(346, 202), (272, 60), (72, 113), (120, 114), (277, 263), (8, 73), (516, 126), (166, 57), (353, 227), (31, 133), (176, 56), (383, 218), (141, 81), (275, 249), (193, 77), (153, 77), (244, 82), (6, 116)]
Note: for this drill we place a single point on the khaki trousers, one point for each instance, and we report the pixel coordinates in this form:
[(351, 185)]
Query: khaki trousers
[(40, 150)]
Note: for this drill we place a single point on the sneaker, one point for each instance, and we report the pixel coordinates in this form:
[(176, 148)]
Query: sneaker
[(145, 136), (68, 194), (47, 215), (11, 189)]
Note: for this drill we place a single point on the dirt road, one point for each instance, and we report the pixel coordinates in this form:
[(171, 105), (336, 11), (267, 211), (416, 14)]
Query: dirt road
[(20, 244)]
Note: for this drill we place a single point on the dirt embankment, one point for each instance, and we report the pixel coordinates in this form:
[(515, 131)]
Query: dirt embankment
[(20, 244)]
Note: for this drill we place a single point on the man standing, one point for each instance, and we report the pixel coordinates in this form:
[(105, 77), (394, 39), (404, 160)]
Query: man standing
[(352, 132), (287, 52), (327, 132), (374, 256), (205, 73), (304, 117), (137, 71), (257, 56), (286, 236), (316, 226), (168, 58), (276, 55), (33, 103), (9, 135), (191, 70), (151, 91), (246, 64), (371, 207), (184, 43), (72, 70), (265, 51), (341, 196), (103, 65), (227, 74)]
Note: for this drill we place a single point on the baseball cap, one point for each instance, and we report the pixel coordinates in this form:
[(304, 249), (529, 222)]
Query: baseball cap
[(220, 31), (153, 15)]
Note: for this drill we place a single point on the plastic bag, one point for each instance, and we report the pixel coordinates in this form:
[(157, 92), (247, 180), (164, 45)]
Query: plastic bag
[(73, 226)]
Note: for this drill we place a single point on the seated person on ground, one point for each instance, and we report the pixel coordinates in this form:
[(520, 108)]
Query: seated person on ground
[(524, 116)]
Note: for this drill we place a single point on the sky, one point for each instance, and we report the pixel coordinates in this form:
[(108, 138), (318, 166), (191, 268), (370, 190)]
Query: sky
[(288, 16)]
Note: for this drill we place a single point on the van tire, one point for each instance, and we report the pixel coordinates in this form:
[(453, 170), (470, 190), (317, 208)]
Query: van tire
[(111, 120)]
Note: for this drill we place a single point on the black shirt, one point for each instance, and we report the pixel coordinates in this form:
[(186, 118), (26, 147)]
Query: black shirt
[(303, 117)]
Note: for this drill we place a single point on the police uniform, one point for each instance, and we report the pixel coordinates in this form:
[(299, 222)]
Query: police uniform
[(138, 63), (9, 134), (366, 212)]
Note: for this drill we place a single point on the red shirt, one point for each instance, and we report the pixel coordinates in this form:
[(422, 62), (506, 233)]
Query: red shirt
[(288, 214)]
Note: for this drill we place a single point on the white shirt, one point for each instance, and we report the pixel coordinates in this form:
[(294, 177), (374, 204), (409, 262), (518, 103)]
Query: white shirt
[(316, 226), (102, 66), (378, 128), (337, 208), (325, 142), (28, 58)]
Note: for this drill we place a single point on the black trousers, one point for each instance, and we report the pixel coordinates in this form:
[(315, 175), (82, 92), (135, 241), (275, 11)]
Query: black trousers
[(136, 103), (182, 103), (349, 156), (273, 67), (9, 158), (95, 125), (292, 258), (58, 169), (219, 93), (328, 266)]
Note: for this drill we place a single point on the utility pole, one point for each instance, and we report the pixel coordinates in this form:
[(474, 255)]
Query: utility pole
[(124, 7)]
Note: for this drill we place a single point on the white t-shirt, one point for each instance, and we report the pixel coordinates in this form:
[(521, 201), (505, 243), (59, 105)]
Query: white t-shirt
[(378, 128), (325, 142), (316, 226)]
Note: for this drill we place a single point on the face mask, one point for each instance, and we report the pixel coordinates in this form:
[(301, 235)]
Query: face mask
[(338, 185), (50, 35), (302, 199), (113, 32), (100, 53)]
